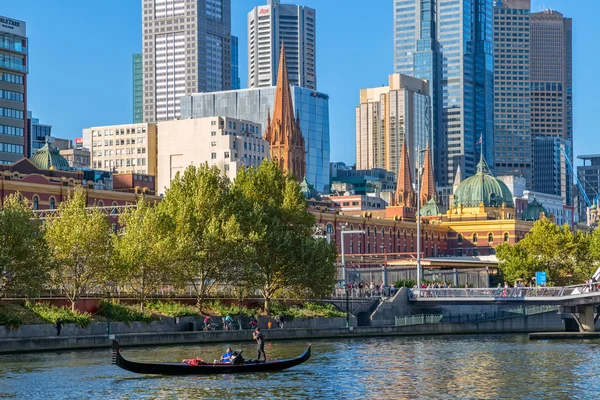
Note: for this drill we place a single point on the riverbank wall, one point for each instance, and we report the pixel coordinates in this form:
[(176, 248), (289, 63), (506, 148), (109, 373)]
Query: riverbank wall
[(547, 322)]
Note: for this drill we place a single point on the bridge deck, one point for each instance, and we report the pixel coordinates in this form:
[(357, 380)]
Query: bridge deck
[(543, 295)]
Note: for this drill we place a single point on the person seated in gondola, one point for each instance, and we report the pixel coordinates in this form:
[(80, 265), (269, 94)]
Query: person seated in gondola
[(194, 361), (227, 357)]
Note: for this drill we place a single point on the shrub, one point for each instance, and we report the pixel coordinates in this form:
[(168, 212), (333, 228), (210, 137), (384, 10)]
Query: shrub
[(408, 283), (313, 310), (51, 314), (172, 309), (12, 321), (221, 309), (122, 312)]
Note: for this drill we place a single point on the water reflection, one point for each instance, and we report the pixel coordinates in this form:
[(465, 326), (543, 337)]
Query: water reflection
[(447, 367)]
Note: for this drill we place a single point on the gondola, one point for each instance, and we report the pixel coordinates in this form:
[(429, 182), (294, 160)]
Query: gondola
[(182, 368)]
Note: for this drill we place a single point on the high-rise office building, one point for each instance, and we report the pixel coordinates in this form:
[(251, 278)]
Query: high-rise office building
[(551, 75), (271, 25), (512, 92), (552, 174), (589, 177), (186, 49), (389, 116), (138, 88), (449, 43), (254, 104), (14, 137), (38, 134), (235, 67)]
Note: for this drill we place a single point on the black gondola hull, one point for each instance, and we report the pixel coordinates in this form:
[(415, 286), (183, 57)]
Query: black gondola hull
[(204, 369)]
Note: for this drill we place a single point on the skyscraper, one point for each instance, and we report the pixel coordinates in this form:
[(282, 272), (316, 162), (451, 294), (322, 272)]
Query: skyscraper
[(186, 49), (37, 134), (138, 88), (552, 174), (389, 117), (295, 27), (14, 137), (551, 75), (235, 68), (512, 92), (449, 42)]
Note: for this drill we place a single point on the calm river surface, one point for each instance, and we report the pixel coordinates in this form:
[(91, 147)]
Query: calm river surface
[(443, 367)]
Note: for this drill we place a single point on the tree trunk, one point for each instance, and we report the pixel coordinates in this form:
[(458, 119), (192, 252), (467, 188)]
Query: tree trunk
[(73, 303), (267, 308)]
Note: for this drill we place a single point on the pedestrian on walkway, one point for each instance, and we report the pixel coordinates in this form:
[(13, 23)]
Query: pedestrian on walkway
[(59, 326)]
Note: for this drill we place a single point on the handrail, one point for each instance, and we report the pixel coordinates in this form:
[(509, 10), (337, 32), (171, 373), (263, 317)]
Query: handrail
[(418, 319), (488, 293)]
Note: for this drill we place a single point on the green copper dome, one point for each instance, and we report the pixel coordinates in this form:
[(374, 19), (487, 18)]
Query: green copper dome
[(482, 188), (48, 157), (431, 208), (308, 190), (533, 211)]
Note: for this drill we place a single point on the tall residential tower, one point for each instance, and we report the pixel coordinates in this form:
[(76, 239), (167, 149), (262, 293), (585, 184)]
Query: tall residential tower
[(274, 24), (138, 88), (186, 49), (13, 90), (390, 117), (449, 43)]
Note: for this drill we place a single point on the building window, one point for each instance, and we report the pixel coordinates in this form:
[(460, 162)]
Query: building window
[(506, 237), (213, 156), (460, 238), (36, 202), (100, 203), (52, 203), (474, 238), (213, 143), (226, 154), (329, 228), (491, 238)]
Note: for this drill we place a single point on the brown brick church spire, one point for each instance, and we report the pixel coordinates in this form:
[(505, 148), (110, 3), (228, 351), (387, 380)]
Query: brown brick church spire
[(283, 130), (404, 191), (428, 184)]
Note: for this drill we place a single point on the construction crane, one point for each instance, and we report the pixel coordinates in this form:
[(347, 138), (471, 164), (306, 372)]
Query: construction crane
[(579, 185)]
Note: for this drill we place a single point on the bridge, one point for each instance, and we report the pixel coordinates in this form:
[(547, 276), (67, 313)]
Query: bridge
[(581, 301)]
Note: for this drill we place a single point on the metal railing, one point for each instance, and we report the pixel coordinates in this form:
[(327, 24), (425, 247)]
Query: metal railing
[(488, 293), (362, 294), (418, 319)]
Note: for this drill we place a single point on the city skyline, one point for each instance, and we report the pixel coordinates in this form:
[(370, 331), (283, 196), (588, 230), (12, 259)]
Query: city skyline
[(103, 69)]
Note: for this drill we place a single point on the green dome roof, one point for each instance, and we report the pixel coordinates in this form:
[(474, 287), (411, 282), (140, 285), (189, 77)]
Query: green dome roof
[(49, 157), (308, 190), (533, 211), (482, 188), (431, 208)]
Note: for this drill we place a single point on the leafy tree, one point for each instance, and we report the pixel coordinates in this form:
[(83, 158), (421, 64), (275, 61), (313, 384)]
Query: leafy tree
[(198, 205), (281, 253), (557, 250), (142, 252), (80, 245), (23, 251)]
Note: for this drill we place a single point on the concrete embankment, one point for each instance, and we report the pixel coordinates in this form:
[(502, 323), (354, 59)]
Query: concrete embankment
[(535, 323)]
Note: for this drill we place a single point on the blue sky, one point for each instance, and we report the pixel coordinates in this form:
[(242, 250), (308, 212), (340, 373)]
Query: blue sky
[(80, 60)]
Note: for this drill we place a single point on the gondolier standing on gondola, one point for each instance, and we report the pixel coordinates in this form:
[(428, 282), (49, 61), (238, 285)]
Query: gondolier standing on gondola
[(260, 344)]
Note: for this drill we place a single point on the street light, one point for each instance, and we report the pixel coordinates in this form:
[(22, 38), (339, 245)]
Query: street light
[(419, 151)]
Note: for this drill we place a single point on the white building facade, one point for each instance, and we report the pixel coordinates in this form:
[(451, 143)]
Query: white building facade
[(271, 25), (228, 143)]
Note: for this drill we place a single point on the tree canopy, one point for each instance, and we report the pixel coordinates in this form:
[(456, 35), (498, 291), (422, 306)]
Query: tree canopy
[(23, 250), (80, 244), (563, 254)]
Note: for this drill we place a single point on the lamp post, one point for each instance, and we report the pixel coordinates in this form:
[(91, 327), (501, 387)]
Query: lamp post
[(342, 233), (419, 151), (384, 277)]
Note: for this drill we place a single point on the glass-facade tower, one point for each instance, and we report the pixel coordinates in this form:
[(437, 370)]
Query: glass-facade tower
[(253, 105), (138, 88), (235, 68), (449, 43)]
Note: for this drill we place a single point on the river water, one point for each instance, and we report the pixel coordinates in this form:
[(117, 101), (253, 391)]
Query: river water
[(430, 367)]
